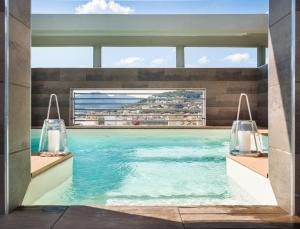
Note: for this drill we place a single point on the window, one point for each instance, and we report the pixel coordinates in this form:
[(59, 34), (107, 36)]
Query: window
[(137, 107), (138, 57), (220, 57), (62, 57)]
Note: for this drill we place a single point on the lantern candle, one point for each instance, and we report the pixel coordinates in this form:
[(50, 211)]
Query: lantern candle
[(256, 140), (53, 140), (244, 140)]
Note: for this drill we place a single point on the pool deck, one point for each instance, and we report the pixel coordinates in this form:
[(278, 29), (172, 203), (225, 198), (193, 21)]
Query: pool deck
[(134, 217)]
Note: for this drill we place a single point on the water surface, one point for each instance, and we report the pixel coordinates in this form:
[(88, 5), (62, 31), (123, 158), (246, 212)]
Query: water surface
[(147, 167)]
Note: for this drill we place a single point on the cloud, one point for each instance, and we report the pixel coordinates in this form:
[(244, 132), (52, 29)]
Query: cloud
[(130, 61), (190, 66), (203, 60), (238, 57), (158, 61), (103, 7)]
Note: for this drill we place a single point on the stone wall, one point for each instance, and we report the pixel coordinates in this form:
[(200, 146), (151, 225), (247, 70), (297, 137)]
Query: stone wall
[(223, 87), (280, 102), (2, 96), (19, 102)]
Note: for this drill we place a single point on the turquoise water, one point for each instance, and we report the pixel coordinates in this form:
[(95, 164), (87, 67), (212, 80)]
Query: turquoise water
[(147, 167)]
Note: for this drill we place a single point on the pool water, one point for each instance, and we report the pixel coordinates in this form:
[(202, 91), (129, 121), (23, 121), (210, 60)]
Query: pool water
[(147, 167)]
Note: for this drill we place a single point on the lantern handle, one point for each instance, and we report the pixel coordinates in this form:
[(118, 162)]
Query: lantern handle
[(239, 108), (49, 107)]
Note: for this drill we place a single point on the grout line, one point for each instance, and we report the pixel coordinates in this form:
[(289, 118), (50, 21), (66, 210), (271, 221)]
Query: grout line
[(20, 85), (279, 19), (20, 20), (182, 223), (18, 151), (59, 218)]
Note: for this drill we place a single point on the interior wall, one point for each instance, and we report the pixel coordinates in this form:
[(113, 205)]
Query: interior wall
[(223, 88), (19, 103), (280, 102)]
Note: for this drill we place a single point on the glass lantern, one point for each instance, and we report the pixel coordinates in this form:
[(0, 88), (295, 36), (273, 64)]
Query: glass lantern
[(245, 139), (53, 139)]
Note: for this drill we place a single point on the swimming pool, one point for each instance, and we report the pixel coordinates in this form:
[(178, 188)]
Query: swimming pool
[(147, 167)]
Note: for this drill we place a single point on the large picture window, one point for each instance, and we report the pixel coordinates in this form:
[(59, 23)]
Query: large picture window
[(139, 107)]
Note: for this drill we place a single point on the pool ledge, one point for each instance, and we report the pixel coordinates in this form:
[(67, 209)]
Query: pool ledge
[(251, 174), (46, 174), (260, 165), (42, 164)]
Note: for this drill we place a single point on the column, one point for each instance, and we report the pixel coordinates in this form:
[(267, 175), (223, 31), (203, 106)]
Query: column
[(97, 54), (15, 102), (280, 104), (296, 97), (261, 56), (180, 57)]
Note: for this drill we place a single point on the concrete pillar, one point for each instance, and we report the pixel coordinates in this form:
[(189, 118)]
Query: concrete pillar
[(180, 57), (3, 136), (97, 54), (261, 56), (296, 97), (284, 164), (15, 103)]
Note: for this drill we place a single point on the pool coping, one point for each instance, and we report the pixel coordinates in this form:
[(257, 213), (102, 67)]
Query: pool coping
[(142, 127), (261, 130), (40, 164), (259, 165)]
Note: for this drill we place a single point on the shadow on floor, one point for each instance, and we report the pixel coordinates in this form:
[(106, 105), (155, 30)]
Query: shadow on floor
[(130, 217)]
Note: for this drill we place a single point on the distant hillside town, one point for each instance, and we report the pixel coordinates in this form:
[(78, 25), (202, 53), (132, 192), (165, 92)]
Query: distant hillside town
[(171, 108)]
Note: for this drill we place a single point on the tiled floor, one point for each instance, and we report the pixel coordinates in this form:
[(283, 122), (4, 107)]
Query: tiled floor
[(83, 217)]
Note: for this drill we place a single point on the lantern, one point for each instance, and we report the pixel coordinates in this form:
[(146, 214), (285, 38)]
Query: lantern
[(53, 139), (245, 139)]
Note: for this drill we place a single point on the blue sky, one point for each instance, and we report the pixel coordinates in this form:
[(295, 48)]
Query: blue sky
[(146, 57), (159, 6)]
